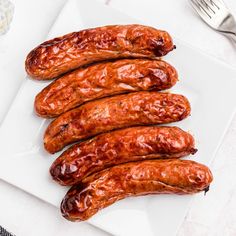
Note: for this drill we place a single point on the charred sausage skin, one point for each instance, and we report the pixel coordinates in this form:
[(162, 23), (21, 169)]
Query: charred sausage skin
[(101, 80), (134, 179), (95, 117), (60, 55), (120, 146)]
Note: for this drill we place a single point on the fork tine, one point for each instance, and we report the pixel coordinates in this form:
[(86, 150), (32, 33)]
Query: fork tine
[(216, 14), (200, 9), (217, 3), (213, 3), (205, 7), (209, 6)]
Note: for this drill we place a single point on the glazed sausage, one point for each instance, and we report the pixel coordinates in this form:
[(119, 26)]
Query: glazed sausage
[(134, 179), (92, 118), (120, 146), (101, 80), (57, 56)]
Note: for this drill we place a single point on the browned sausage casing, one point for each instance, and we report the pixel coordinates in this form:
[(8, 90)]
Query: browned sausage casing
[(120, 146), (57, 56), (134, 179), (101, 80), (92, 118)]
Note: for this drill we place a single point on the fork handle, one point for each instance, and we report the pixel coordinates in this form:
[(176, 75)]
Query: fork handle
[(232, 29), (229, 29), (232, 36)]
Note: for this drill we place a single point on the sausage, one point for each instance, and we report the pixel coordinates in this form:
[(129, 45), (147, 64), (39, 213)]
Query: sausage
[(59, 55), (134, 179), (101, 80), (120, 146), (95, 117)]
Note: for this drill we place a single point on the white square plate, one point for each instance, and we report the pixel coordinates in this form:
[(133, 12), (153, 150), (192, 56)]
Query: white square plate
[(209, 84)]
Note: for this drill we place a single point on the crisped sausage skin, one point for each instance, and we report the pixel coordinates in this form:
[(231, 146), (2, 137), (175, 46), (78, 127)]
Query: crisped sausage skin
[(134, 179), (95, 117), (59, 55), (120, 146), (101, 80)]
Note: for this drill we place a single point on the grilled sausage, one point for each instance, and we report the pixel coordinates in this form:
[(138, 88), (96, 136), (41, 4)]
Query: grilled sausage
[(120, 146), (57, 56), (92, 118), (101, 80), (134, 179)]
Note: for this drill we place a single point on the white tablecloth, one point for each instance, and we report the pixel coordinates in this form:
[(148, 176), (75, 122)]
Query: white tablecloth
[(25, 215)]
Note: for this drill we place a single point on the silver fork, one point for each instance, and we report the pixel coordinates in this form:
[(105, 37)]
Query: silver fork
[(216, 15)]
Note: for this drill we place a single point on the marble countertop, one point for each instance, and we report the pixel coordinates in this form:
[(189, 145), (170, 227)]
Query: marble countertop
[(23, 214)]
